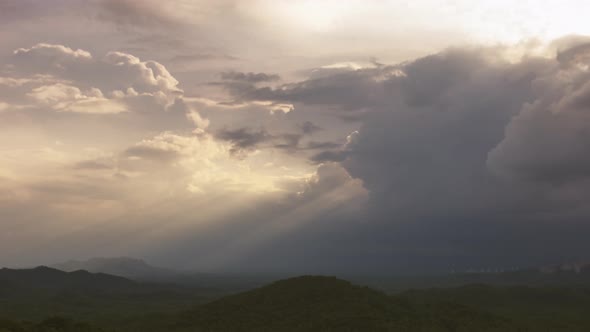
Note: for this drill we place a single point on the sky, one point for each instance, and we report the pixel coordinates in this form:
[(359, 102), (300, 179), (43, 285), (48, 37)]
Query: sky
[(367, 137)]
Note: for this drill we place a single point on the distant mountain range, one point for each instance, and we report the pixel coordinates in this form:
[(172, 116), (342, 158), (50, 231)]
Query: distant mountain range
[(137, 269), (36, 300), (36, 293), (53, 280), (119, 266)]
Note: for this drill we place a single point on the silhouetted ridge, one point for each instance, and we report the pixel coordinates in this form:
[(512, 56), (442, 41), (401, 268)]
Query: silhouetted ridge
[(315, 303), (44, 277), (120, 266)]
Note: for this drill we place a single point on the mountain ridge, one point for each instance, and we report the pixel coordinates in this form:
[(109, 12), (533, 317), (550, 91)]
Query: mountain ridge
[(128, 267)]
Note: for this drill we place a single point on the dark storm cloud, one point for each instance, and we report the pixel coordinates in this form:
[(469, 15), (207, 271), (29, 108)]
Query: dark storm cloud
[(349, 90), (288, 141), (461, 145), (348, 93), (244, 139), (315, 145), (549, 140), (329, 156), (469, 160), (309, 127)]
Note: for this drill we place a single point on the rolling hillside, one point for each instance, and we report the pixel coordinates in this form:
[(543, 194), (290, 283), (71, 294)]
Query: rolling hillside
[(49, 300)]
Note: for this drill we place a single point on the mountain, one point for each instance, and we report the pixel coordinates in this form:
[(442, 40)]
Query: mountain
[(120, 266), (48, 300), (49, 279), (316, 303), (137, 269), (40, 292)]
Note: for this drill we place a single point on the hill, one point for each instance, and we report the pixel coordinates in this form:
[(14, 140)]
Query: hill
[(38, 293), (315, 303), (37, 300), (140, 270), (46, 278), (534, 308), (564, 276)]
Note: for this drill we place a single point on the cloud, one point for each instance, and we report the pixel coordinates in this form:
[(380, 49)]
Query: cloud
[(114, 71), (68, 80), (93, 165), (460, 151), (249, 77), (334, 180), (136, 13), (165, 147), (62, 97), (246, 139), (309, 128), (56, 53), (202, 57), (313, 145), (152, 152), (470, 134), (547, 140), (243, 138), (346, 92), (458, 158), (329, 155)]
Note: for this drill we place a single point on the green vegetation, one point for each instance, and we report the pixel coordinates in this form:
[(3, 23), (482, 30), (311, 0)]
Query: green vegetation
[(48, 300)]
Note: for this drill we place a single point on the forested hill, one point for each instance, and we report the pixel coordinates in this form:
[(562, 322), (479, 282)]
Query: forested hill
[(52, 279), (317, 303), (47, 300)]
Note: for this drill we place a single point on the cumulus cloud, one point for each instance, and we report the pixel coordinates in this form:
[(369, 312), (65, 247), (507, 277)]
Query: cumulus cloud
[(450, 154), (57, 54), (62, 97), (333, 179), (548, 140), (63, 79), (114, 71), (448, 140)]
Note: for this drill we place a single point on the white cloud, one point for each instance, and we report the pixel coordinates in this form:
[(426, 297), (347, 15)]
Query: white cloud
[(54, 52), (73, 80), (67, 98), (114, 71)]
